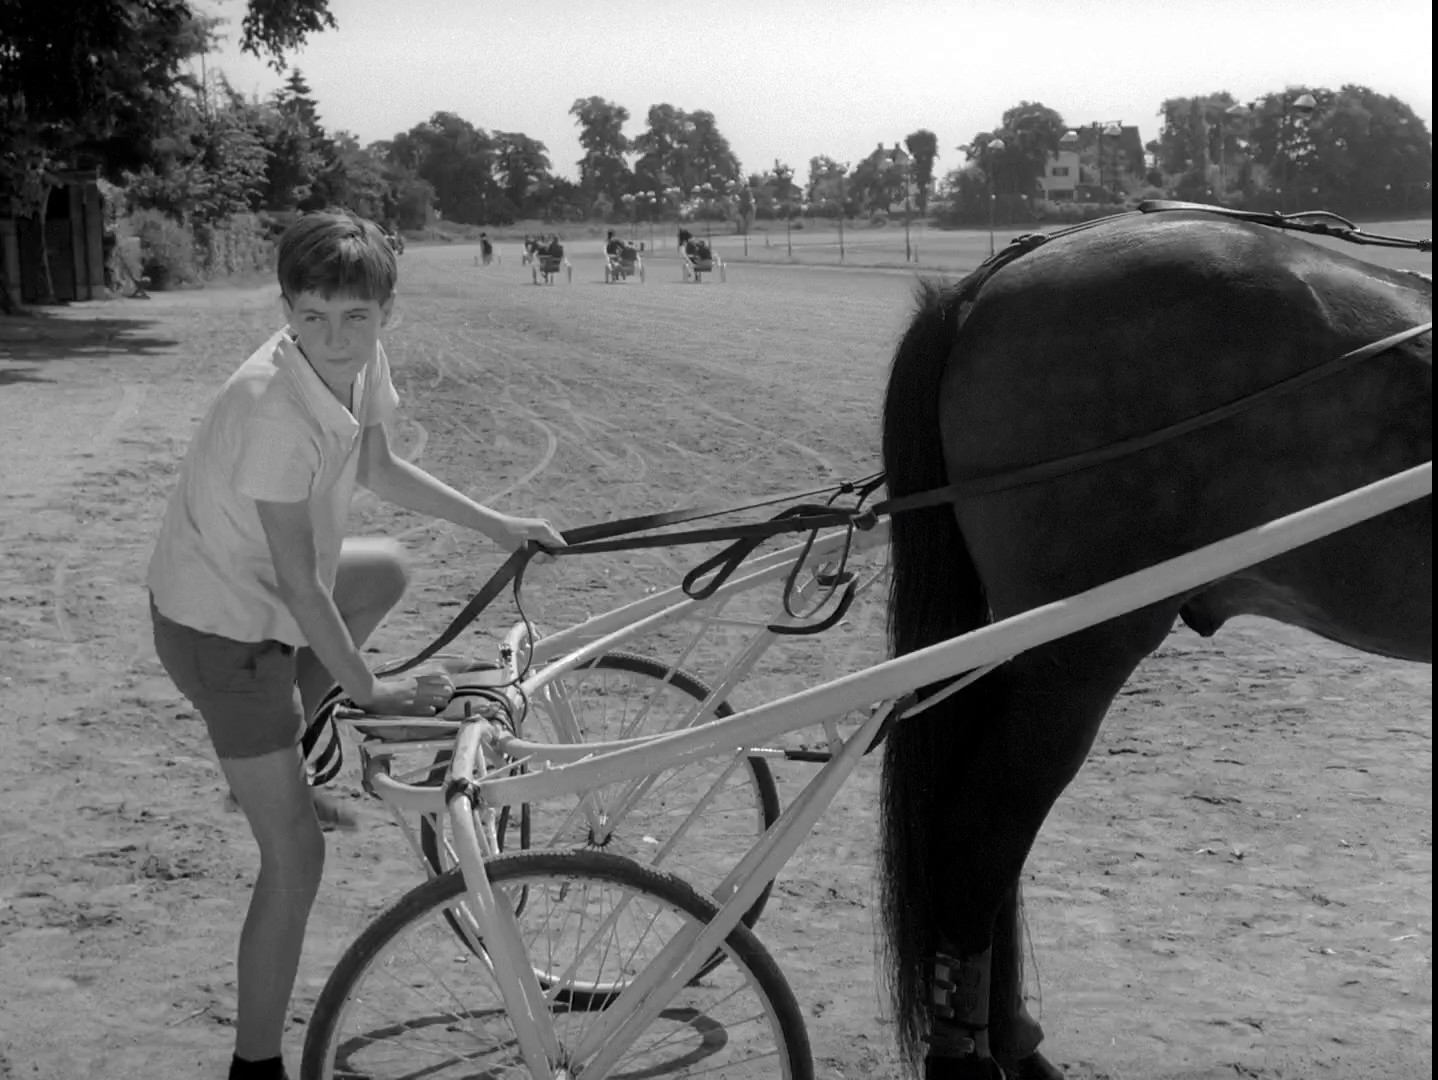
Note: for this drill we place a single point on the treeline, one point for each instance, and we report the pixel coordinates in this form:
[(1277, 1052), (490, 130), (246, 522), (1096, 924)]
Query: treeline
[(200, 175)]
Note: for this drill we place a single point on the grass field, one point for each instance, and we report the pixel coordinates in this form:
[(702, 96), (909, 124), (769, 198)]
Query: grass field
[(1239, 883)]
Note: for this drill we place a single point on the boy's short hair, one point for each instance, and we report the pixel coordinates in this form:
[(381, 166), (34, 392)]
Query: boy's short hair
[(335, 252)]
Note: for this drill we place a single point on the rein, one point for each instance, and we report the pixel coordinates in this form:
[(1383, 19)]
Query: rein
[(811, 517)]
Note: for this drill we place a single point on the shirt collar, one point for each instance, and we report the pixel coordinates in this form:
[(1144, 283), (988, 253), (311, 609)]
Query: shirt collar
[(326, 407)]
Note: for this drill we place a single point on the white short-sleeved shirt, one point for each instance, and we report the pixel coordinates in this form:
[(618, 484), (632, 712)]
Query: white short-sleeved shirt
[(274, 433)]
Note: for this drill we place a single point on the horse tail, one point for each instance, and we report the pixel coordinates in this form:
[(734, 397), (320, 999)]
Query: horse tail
[(935, 592)]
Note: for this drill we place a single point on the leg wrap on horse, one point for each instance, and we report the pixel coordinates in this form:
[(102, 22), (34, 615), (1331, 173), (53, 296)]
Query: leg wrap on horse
[(958, 1004)]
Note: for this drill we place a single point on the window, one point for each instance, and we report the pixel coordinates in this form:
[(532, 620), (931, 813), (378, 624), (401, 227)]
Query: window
[(1059, 170)]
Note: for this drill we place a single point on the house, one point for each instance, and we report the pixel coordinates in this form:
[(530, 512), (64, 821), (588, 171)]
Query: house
[(1061, 176), (73, 240), (1094, 157)]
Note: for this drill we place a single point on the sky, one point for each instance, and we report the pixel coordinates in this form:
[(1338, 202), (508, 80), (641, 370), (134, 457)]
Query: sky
[(791, 79)]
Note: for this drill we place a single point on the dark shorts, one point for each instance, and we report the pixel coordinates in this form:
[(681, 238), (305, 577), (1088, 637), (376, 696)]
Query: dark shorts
[(244, 690)]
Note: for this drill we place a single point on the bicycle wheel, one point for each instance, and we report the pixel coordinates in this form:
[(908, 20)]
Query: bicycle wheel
[(696, 820), (407, 1000)]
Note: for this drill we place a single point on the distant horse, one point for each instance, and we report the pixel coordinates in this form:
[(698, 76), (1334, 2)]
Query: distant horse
[(1097, 337)]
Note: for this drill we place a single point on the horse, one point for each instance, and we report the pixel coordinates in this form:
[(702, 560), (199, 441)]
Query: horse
[(1094, 339)]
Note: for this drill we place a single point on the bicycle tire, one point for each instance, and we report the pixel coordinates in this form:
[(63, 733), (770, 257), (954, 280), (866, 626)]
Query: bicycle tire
[(682, 1033)]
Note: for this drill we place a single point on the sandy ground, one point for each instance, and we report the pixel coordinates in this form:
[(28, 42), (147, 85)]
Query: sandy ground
[(1239, 883)]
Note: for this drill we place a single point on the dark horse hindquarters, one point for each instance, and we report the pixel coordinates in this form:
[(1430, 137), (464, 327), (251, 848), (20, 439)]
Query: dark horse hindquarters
[(1094, 337)]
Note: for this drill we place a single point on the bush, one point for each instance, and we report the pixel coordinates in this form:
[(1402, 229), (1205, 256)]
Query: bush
[(878, 219), (167, 248), (238, 245), (1071, 213)]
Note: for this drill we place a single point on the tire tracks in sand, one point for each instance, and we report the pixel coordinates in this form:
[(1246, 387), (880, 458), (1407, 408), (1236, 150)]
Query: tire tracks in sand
[(132, 394)]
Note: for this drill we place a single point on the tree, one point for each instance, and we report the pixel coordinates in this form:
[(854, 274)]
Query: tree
[(522, 165), (82, 84), (663, 150), (1031, 132), (211, 166), (272, 28), (457, 159), (1357, 151), (826, 187), (709, 152), (353, 177), (684, 150), (878, 181), (965, 192), (782, 178), (91, 82), (1197, 132), (603, 169), (298, 150), (923, 147)]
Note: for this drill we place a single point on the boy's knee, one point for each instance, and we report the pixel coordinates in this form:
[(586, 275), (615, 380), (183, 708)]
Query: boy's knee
[(296, 861), (374, 573), (391, 574)]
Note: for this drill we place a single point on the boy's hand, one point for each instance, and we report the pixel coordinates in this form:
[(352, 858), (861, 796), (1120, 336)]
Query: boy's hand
[(515, 532), (423, 695)]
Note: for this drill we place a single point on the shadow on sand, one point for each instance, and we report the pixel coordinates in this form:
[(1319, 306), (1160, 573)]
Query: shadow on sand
[(38, 336)]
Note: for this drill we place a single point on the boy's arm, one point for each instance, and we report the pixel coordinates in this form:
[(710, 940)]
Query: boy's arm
[(404, 484), (291, 539)]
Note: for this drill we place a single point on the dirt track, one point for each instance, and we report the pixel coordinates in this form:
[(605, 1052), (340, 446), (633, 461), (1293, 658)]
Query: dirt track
[(1239, 882)]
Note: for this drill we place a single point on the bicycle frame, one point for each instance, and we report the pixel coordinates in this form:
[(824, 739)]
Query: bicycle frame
[(585, 642), (576, 769)]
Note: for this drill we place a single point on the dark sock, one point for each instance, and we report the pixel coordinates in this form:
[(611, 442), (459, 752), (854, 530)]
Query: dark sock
[(268, 1069)]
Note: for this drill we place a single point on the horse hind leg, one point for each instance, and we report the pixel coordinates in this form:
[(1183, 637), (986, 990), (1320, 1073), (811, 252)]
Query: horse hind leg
[(976, 780)]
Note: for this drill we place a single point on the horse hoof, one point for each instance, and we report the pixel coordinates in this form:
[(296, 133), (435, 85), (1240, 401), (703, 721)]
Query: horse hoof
[(1034, 1067)]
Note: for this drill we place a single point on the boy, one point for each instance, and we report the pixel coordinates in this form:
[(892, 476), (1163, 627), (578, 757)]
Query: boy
[(256, 594)]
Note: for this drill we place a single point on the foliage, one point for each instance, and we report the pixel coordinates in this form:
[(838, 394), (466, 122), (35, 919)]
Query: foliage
[(272, 28), (522, 165), (103, 83), (167, 248), (1065, 213), (211, 164), (684, 150), (603, 169), (923, 146), (877, 182), (827, 190), (94, 83), (964, 194), (1030, 133), (457, 159), (296, 143), (352, 176), (1358, 150), (89, 80), (238, 245), (1353, 150)]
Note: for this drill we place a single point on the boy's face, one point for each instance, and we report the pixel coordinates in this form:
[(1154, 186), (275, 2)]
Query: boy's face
[(339, 335)]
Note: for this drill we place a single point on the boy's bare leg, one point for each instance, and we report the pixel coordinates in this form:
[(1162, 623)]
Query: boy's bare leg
[(370, 581), (275, 798)]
